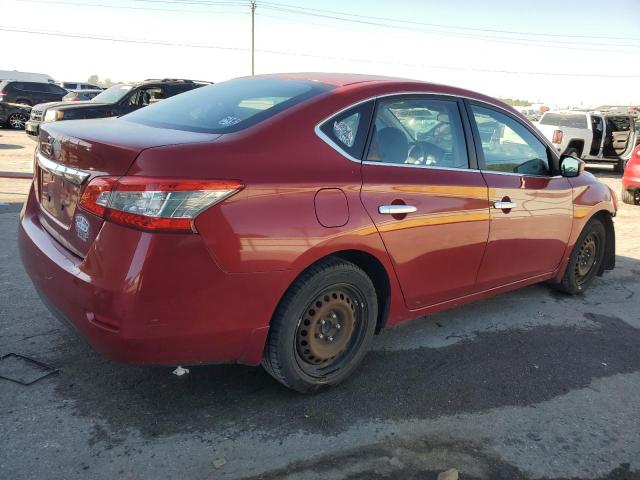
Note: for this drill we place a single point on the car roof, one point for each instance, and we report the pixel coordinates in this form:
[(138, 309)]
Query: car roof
[(337, 79)]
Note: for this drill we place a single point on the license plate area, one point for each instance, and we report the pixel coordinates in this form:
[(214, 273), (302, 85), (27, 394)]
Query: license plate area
[(58, 197)]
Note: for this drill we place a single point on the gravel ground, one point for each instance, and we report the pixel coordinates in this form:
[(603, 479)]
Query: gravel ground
[(529, 384)]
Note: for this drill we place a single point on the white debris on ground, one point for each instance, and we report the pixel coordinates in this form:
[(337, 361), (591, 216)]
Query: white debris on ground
[(179, 371), (451, 474)]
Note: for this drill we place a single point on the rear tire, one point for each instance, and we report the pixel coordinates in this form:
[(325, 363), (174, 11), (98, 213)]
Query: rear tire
[(631, 198), (323, 327), (586, 258), (16, 121)]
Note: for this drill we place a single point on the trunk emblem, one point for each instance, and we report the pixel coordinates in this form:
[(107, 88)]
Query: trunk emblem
[(82, 227)]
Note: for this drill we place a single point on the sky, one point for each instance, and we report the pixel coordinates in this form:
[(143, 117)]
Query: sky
[(555, 52)]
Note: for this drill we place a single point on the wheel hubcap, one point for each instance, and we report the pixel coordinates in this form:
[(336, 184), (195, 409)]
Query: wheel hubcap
[(586, 256), (17, 121), (326, 328)]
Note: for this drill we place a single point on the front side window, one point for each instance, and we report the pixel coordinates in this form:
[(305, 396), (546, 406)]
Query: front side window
[(113, 94), (508, 146), (418, 131), (228, 106)]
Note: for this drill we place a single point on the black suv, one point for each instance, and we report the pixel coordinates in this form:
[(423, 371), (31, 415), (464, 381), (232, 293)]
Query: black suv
[(115, 101), (30, 93)]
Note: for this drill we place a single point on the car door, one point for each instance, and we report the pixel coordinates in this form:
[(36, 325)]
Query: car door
[(531, 208), (426, 197), (35, 92)]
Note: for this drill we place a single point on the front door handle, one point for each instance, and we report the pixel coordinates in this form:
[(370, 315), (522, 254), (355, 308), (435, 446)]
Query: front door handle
[(396, 209), (502, 205)]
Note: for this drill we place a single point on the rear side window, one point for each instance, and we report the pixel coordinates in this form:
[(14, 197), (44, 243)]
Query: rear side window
[(564, 120), (418, 131), (228, 106), (348, 130), (619, 124)]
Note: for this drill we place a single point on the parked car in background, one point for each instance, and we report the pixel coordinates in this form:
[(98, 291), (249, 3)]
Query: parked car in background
[(80, 95), (30, 93), (78, 86), (631, 179), (25, 76), (591, 136), (115, 101), (283, 220), (13, 115)]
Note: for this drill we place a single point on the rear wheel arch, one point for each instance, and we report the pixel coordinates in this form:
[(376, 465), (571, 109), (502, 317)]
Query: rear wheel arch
[(374, 269)]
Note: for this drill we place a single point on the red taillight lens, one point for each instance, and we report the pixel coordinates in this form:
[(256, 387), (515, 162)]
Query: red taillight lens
[(557, 136), (96, 195), (157, 204)]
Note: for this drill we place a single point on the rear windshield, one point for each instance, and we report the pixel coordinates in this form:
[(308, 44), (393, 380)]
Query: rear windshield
[(228, 106), (565, 120)]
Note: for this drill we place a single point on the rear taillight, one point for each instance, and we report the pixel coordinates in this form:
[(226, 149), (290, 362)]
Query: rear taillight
[(557, 136), (156, 204), (3, 92)]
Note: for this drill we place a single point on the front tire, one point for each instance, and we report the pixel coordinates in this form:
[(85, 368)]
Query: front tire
[(586, 258), (620, 166), (323, 327)]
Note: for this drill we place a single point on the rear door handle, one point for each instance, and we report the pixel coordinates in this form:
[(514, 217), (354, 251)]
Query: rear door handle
[(396, 209), (504, 205)]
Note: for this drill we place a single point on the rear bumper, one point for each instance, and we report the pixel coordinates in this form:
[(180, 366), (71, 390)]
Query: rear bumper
[(32, 129), (151, 299)]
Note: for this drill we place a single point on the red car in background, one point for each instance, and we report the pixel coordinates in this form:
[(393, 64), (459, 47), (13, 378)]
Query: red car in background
[(285, 219), (631, 179)]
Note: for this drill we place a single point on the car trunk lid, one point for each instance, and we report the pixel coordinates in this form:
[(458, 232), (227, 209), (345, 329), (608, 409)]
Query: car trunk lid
[(71, 153)]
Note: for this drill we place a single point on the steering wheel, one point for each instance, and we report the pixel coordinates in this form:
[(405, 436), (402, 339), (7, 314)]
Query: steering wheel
[(425, 153)]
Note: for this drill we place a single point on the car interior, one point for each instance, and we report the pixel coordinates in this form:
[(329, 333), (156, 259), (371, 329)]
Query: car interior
[(418, 132), (619, 133)]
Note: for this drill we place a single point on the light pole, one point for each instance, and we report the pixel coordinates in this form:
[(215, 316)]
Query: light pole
[(253, 51)]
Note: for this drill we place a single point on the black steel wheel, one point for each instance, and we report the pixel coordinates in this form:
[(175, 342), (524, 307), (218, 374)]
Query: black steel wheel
[(322, 327), (586, 258)]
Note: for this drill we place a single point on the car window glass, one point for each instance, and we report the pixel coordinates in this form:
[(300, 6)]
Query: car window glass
[(228, 106), (565, 120), (418, 131), (508, 146), (345, 130), (69, 85), (619, 124), (348, 130)]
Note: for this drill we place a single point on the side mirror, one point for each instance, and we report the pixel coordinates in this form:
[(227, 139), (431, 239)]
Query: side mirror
[(571, 166)]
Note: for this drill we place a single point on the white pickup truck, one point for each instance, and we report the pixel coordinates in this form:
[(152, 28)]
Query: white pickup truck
[(591, 136)]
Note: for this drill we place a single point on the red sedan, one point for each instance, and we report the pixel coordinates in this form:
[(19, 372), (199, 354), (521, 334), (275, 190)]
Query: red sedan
[(631, 179), (285, 219)]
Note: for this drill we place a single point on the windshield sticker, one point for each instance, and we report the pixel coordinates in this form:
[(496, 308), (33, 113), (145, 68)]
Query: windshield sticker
[(228, 121)]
